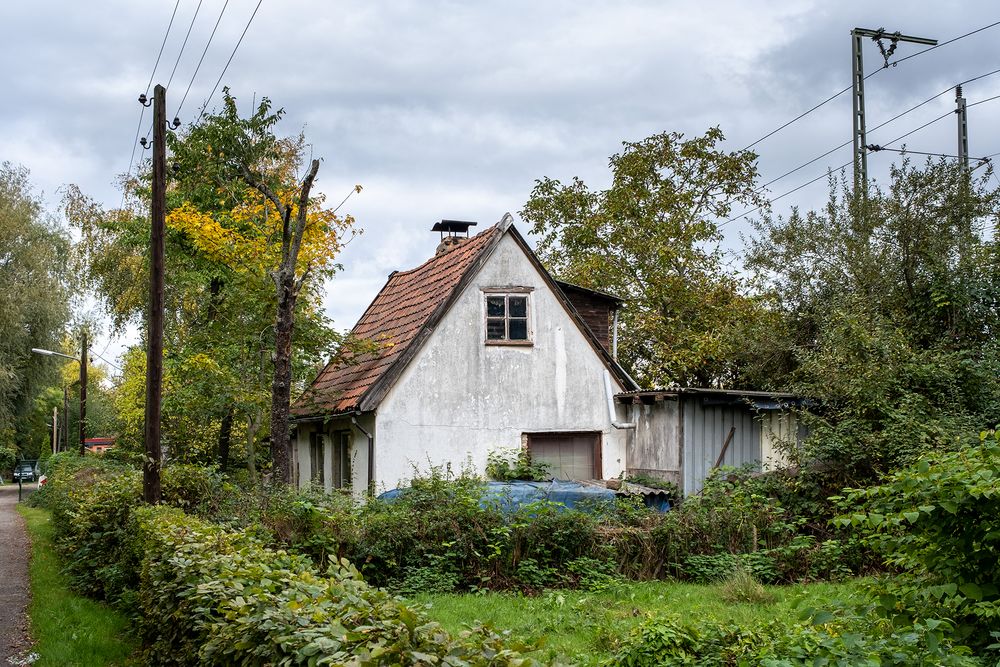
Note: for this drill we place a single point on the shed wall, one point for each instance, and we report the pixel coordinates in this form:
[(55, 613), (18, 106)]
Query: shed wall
[(706, 427), (654, 449)]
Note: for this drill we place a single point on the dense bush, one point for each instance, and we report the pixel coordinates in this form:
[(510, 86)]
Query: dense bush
[(206, 594), (847, 637), (938, 523), (217, 597)]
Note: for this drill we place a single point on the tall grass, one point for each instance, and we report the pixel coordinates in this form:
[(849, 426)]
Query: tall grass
[(69, 630)]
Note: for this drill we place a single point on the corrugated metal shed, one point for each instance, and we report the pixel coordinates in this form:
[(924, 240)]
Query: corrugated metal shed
[(680, 434)]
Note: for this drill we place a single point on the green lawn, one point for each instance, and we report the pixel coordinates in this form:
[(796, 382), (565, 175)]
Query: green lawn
[(583, 627), (69, 629)]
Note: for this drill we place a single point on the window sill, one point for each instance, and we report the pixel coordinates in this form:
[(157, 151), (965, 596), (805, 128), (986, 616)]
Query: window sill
[(511, 343)]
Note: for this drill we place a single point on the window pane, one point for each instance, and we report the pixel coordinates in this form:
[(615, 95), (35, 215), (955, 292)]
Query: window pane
[(495, 329), (494, 306), (518, 329), (518, 306)]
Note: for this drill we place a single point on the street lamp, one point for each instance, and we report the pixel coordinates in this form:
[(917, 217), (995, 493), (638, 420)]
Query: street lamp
[(83, 385)]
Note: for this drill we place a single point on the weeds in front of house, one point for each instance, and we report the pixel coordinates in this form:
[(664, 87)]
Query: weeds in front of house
[(262, 575), (69, 629), (740, 586)]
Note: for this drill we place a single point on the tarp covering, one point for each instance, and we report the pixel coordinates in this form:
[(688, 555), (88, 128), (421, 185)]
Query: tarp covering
[(511, 496)]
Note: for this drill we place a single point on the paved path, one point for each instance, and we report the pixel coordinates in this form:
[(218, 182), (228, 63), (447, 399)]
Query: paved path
[(15, 592)]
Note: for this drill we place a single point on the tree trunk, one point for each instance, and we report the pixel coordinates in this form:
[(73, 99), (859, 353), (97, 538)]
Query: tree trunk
[(281, 388), (225, 437)]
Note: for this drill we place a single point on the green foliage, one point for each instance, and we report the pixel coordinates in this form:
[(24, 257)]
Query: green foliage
[(889, 314), (8, 456), (68, 629), (34, 296), (204, 594), (938, 522), (740, 585), (846, 637), (651, 238), (513, 465)]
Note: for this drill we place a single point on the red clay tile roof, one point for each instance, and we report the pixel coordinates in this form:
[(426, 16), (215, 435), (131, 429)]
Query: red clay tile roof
[(393, 320)]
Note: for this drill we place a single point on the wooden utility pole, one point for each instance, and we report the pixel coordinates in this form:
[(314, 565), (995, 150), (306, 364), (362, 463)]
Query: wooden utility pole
[(65, 429), (83, 395), (154, 328)]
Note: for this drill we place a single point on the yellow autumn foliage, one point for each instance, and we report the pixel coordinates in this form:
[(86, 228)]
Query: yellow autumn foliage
[(247, 238)]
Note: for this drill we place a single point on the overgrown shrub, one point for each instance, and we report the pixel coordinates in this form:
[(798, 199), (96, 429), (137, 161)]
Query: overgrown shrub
[(205, 594), (848, 637), (938, 522), (512, 465)]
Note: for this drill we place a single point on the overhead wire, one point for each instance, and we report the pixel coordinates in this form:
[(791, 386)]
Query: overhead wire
[(204, 107), (179, 55), (142, 110), (201, 59), (184, 44), (877, 127), (868, 76), (882, 147)]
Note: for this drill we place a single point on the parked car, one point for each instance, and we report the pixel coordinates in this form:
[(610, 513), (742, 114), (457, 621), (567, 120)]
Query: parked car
[(24, 472)]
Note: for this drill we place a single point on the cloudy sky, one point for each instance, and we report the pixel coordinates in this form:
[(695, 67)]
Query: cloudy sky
[(442, 109)]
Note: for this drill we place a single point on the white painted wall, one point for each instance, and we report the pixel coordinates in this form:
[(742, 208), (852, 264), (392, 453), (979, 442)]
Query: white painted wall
[(459, 398), (778, 430)]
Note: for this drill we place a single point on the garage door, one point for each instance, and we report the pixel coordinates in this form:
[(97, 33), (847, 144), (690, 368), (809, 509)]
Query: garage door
[(568, 455)]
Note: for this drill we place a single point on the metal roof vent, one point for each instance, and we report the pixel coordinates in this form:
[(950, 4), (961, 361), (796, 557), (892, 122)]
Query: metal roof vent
[(452, 232)]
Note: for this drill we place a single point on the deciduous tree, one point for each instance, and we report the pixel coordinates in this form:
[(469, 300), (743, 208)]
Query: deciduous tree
[(651, 238)]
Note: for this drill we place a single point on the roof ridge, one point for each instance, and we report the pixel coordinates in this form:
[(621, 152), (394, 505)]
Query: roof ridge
[(435, 258)]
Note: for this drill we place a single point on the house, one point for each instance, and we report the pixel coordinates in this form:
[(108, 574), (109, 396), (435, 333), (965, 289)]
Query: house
[(681, 435), (99, 445), (478, 349)]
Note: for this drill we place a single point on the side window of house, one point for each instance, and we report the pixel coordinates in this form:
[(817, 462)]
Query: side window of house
[(341, 459), (507, 318), (316, 458)]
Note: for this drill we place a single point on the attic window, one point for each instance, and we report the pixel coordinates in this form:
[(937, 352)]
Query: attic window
[(507, 318)]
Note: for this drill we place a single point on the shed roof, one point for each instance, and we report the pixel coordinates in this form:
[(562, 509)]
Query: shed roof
[(761, 399)]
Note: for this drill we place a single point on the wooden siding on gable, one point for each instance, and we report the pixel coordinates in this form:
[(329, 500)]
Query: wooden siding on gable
[(594, 308)]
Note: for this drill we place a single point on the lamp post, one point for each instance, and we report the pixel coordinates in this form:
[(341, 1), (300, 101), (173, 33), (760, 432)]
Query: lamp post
[(83, 385)]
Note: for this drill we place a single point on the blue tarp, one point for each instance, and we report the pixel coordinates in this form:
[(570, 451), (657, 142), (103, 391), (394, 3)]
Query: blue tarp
[(511, 496)]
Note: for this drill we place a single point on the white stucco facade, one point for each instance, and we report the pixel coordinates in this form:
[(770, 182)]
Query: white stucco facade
[(461, 398)]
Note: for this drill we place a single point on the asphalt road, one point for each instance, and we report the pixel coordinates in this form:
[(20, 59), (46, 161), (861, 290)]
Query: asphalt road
[(15, 591)]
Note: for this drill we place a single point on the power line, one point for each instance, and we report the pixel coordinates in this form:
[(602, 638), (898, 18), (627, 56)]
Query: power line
[(799, 117), (899, 138), (204, 108), (988, 99), (783, 195), (179, 54), (184, 44), (142, 111), (938, 46), (838, 94), (201, 59), (879, 126), (162, 44), (908, 151)]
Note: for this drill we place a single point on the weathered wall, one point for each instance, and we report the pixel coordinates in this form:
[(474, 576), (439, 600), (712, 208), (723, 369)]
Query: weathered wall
[(706, 427), (459, 398), (654, 450), (358, 453), (779, 430)]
